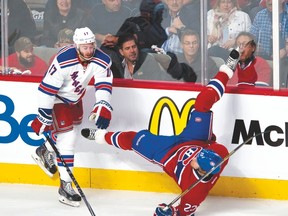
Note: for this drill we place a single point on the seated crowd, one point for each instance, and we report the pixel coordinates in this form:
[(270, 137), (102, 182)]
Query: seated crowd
[(154, 39)]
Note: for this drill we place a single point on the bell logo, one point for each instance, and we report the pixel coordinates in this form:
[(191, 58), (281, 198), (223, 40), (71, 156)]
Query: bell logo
[(179, 118), (15, 128)]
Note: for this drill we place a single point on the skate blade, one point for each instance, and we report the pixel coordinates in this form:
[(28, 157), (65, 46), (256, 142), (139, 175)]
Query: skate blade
[(65, 201), (40, 164)]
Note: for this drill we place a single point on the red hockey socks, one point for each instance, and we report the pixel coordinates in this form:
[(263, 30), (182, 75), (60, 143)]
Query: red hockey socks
[(213, 92), (122, 140)]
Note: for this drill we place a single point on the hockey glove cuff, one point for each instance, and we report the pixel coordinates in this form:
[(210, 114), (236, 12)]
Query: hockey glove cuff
[(101, 114), (43, 121), (171, 211)]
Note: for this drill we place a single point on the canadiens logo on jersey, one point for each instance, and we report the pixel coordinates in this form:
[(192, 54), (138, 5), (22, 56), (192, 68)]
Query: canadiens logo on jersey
[(187, 154), (184, 159)]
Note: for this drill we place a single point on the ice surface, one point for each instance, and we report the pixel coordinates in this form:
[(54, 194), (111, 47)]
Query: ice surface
[(36, 200)]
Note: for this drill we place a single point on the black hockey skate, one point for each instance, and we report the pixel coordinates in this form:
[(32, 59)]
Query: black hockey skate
[(45, 159), (233, 59), (67, 194)]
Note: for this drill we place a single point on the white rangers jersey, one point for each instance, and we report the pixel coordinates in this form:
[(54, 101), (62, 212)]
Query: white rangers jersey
[(66, 79)]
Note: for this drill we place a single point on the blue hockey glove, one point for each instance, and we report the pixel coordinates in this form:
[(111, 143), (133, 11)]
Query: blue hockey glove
[(171, 211), (101, 114)]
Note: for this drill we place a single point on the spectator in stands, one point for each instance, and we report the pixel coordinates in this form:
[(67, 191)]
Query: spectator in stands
[(192, 55), (62, 14), (178, 18), (23, 61), (262, 30), (225, 21), (245, 5), (65, 37), (147, 27), (138, 64), (251, 70), (257, 7), (20, 22), (180, 71), (106, 18), (85, 5)]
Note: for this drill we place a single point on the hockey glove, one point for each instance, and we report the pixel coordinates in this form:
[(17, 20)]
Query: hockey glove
[(101, 114), (43, 121), (158, 50), (171, 211)]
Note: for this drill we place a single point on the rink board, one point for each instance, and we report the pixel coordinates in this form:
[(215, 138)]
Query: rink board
[(251, 171)]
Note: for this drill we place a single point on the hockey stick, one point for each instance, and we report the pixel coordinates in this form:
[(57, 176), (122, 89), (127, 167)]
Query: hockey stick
[(71, 175), (208, 173)]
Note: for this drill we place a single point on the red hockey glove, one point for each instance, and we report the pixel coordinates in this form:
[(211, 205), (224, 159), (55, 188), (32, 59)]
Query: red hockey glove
[(171, 211), (43, 121), (101, 114)]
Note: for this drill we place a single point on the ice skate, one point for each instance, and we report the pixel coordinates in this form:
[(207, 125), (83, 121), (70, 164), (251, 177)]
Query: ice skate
[(233, 59), (67, 194), (45, 159), (94, 134)]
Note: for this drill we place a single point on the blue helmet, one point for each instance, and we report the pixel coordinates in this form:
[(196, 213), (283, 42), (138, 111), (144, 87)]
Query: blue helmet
[(207, 159)]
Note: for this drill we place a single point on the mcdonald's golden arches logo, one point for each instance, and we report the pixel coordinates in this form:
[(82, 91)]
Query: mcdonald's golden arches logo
[(178, 118)]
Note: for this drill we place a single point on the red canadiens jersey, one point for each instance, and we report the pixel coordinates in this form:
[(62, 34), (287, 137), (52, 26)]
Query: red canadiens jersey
[(38, 68), (178, 167), (257, 71)]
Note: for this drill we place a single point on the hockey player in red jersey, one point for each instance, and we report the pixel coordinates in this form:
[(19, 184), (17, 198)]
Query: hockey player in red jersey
[(60, 104), (185, 157)]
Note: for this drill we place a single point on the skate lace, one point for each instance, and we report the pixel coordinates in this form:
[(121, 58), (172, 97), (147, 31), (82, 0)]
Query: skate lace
[(92, 134), (68, 188), (49, 158), (231, 61)]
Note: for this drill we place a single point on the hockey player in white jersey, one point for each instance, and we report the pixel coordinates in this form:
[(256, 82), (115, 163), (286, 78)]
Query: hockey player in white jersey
[(60, 104)]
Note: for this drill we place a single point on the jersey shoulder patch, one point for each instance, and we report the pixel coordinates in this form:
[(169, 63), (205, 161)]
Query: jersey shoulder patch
[(102, 59), (67, 56)]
